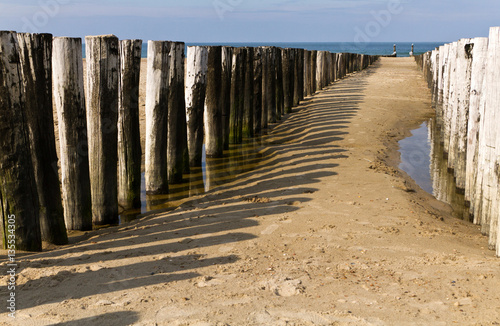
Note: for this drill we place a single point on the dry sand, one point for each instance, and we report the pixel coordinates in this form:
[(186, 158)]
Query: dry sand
[(324, 231)]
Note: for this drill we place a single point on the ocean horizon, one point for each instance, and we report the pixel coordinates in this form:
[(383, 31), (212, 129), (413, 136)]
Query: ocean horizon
[(372, 48)]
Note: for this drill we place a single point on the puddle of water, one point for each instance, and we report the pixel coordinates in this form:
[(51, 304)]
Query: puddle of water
[(214, 172), (424, 160), (415, 156)]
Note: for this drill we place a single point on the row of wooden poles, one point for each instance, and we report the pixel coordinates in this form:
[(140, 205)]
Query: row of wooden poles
[(224, 95), (464, 77)]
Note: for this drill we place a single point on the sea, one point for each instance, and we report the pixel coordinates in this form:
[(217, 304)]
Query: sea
[(376, 48)]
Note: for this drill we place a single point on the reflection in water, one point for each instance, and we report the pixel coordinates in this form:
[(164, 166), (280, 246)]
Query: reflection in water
[(214, 172), (424, 160)]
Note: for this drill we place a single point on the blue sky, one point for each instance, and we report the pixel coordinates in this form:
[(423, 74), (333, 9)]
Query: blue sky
[(256, 20)]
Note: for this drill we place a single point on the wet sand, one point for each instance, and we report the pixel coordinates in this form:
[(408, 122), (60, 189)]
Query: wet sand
[(324, 231)]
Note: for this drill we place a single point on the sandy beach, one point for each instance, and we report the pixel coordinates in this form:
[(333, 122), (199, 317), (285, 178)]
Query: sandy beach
[(325, 230)]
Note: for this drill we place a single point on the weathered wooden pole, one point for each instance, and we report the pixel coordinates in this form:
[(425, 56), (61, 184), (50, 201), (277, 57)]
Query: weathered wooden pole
[(237, 96), (301, 74), (248, 114), (177, 151), (129, 138), (287, 80), (280, 109), (459, 121), (103, 64), (297, 86), (449, 97), (257, 91), (271, 83), (69, 100), (479, 55), (314, 58), (214, 137), (307, 67), (19, 214), (227, 63), (196, 85), (492, 103), (156, 118), (35, 53), (319, 71)]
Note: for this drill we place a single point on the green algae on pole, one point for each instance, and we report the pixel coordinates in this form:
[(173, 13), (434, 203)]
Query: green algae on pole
[(214, 136), (103, 64), (36, 63), (196, 84), (19, 213), (69, 100), (129, 140), (156, 118)]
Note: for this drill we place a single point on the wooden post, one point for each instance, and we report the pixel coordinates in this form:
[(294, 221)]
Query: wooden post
[(103, 64), (307, 67), (280, 109), (196, 85), (69, 100), (227, 63), (300, 67), (271, 84), (449, 97), (492, 103), (479, 55), (248, 114), (36, 65), (177, 152), (287, 80), (19, 214), (214, 137), (237, 96), (314, 58), (266, 87), (156, 118), (129, 138), (257, 91), (296, 78), (319, 71), (459, 119), (445, 90)]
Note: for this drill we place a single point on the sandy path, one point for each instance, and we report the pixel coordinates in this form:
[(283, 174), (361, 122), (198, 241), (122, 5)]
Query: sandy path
[(335, 236)]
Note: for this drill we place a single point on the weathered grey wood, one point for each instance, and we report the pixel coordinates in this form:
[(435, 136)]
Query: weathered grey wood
[(257, 91), (479, 55), (449, 96), (156, 118), (69, 100), (300, 67), (18, 192), (280, 109), (314, 58), (319, 71), (248, 114), (103, 64), (271, 85), (492, 103), (214, 137), (307, 67), (296, 77), (129, 138), (36, 65), (227, 63), (196, 85), (459, 122), (177, 151), (287, 62), (237, 96)]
